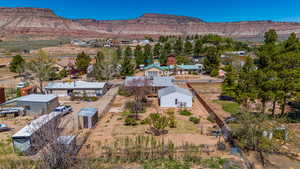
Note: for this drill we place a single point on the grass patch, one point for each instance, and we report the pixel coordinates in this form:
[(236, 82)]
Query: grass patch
[(19, 46), (185, 112), (195, 120), (229, 106), (184, 126)]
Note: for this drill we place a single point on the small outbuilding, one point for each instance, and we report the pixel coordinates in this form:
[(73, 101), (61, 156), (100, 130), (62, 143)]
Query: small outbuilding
[(36, 103), (175, 96), (88, 117)]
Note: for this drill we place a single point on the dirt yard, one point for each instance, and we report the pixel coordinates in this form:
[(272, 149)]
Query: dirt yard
[(111, 126), (211, 92)]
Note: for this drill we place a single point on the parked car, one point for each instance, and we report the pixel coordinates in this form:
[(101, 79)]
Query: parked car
[(216, 133), (63, 109), (231, 120), (21, 85), (3, 127)]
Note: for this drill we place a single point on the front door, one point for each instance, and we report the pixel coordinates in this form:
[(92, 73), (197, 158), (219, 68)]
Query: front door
[(85, 122)]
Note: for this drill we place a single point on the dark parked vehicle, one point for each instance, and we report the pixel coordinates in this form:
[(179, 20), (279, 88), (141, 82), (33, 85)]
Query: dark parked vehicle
[(3, 128)]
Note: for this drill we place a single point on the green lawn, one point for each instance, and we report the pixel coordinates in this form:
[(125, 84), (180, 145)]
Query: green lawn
[(229, 106)]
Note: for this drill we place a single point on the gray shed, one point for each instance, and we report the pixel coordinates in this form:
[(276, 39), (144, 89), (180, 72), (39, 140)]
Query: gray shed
[(36, 103), (88, 117)]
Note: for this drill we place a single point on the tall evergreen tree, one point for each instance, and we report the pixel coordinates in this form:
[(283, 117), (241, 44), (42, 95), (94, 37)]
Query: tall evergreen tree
[(17, 64), (148, 55), (212, 60), (167, 48), (178, 46), (271, 36), (119, 53), (157, 50), (127, 68), (198, 48), (139, 56), (82, 62), (128, 52), (188, 48)]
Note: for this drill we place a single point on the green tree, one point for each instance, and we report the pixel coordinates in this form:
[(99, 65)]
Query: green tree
[(188, 48), (127, 68), (158, 123), (182, 60), (157, 50), (148, 54), (128, 52), (178, 46), (212, 60), (292, 43), (17, 64), (271, 36), (246, 87), (230, 81), (119, 53), (139, 56), (253, 132), (198, 47), (167, 49), (82, 62)]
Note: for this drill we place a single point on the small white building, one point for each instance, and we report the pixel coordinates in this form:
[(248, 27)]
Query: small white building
[(77, 88), (175, 96)]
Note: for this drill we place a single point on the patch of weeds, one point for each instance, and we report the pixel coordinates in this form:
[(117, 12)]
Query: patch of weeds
[(185, 112), (195, 120), (129, 121)]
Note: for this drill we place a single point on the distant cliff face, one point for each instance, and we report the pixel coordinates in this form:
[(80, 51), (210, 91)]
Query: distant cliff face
[(43, 22)]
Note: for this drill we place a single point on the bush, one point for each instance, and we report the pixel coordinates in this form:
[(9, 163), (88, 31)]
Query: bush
[(185, 112), (123, 92), (214, 73), (129, 121), (195, 120)]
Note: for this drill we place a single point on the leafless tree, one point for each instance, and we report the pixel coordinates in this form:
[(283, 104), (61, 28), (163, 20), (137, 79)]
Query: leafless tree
[(139, 87), (40, 68), (105, 67)]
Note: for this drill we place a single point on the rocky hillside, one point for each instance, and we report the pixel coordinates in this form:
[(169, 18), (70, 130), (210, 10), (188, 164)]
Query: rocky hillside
[(38, 21)]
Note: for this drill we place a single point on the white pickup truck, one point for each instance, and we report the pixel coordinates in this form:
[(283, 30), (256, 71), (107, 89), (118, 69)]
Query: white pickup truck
[(63, 109)]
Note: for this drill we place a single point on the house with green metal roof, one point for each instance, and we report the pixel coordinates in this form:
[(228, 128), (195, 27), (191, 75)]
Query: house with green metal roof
[(156, 69)]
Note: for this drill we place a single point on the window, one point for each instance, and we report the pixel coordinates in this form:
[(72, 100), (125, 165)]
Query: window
[(176, 101)]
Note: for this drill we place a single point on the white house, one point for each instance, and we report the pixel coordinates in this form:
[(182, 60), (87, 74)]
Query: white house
[(175, 96), (77, 88)]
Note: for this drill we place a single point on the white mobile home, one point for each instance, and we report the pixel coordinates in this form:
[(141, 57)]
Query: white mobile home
[(175, 97), (30, 139), (77, 88)]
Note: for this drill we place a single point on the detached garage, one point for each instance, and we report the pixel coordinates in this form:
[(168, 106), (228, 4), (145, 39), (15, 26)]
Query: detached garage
[(36, 103), (175, 96)]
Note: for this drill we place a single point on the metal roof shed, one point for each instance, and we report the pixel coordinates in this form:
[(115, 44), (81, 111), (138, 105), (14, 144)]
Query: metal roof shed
[(36, 103), (89, 117)]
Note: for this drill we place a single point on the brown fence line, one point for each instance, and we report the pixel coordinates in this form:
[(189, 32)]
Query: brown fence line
[(225, 129), (222, 125)]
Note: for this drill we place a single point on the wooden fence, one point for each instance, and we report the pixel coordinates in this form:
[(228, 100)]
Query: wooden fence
[(223, 126)]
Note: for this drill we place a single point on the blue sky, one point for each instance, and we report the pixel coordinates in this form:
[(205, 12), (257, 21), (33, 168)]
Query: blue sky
[(208, 10)]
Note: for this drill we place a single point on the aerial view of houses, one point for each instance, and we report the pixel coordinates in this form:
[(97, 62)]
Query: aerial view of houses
[(156, 92)]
